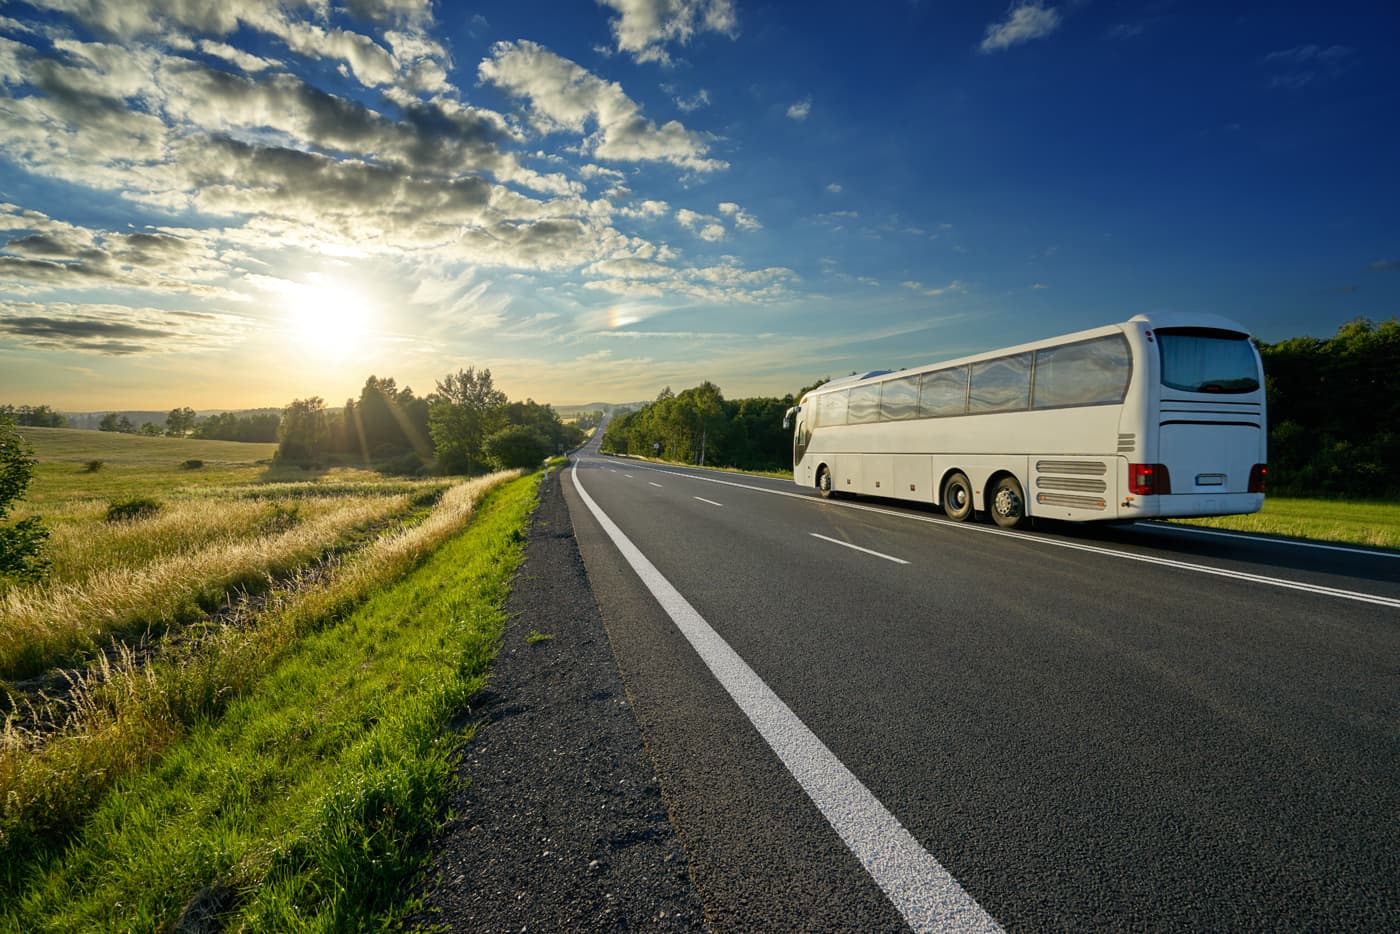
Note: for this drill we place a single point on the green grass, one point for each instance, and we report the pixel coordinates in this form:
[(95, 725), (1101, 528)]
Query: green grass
[(305, 804), (1356, 522)]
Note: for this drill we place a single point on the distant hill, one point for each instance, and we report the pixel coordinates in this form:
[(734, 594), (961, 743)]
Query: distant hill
[(90, 420), (78, 446)]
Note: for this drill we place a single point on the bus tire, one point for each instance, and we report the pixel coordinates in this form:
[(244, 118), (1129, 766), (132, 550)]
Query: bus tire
[(1008, 503), (957, 497), (824, 484)]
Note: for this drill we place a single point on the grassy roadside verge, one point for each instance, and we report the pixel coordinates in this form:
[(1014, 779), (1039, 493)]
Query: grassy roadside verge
[(300, 805), (1371, 523)]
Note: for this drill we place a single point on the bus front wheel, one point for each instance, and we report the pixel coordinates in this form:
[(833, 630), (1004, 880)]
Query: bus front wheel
[(1008, 503), (957, 498)]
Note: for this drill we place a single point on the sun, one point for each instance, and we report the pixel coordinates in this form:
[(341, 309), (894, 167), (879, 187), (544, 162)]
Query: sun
[(331, 318)]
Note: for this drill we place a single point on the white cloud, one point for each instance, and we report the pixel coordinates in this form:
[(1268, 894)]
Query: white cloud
[(742, 219), (834, 188), (692, 104), (643, 28), (935, 291), (646, 209), (244, 60), (800, 110), (564, 96), (704, 226), (1025, 20)]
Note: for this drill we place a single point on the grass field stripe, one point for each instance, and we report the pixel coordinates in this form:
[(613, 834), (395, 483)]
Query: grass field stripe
[(924, 893), (877, 554), (1318, 589), (710, 501)]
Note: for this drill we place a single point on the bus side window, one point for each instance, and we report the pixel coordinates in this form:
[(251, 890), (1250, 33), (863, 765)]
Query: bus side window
[(899, 399), (943, 392), (1094, 372), (1001, 385)]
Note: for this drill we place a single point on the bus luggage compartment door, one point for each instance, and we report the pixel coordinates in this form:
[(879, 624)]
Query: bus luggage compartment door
[(1208, 458)]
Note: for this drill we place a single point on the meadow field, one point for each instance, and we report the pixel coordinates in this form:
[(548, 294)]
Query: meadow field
[(213, 625)]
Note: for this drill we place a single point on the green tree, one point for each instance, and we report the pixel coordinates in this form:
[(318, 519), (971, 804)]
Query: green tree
[(462, 414), (516, 446), (179, 422), (33, 416), (304, 431), (108, 423), (150, 429), (21, 543)]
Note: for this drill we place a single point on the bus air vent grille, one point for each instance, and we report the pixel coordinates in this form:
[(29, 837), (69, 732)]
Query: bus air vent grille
[(1126, 443), (1079, 484), (1073, 502), (1077, 468)]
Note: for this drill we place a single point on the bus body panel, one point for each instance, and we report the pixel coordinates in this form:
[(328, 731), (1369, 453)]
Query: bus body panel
[(1071, 462)]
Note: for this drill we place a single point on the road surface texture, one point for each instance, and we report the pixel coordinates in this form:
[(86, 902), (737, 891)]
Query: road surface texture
[(560, 825), (867, 717)]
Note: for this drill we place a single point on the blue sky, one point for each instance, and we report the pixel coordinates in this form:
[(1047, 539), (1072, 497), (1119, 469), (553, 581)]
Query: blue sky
[(237, 204)]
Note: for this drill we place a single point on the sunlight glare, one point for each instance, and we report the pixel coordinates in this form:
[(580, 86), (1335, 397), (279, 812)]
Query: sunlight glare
[(329, 317)]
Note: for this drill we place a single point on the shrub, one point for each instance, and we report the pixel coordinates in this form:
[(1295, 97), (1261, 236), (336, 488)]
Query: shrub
[(192, 464), (22, 543), (94, 466), (133, 508)]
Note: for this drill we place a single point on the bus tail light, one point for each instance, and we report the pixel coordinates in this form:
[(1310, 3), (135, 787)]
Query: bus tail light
[(1258, 475), (1149, 479)]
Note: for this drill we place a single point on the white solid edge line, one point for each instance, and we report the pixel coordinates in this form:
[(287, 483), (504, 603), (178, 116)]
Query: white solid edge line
[(837, 541), (1076, 546), (924, 893), (1196, 530), (710, 501)]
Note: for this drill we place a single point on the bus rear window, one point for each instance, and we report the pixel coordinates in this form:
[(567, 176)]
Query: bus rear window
[(1203, 360)]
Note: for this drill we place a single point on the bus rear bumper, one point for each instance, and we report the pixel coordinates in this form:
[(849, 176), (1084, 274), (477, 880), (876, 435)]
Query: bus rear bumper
[(1195, 505)]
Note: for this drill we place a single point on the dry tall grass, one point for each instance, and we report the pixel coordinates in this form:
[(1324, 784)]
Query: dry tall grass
[(126, 712), (43, 625)]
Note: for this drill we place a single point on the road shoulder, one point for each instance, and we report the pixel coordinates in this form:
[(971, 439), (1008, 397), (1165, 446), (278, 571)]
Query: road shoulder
[(560, 824)]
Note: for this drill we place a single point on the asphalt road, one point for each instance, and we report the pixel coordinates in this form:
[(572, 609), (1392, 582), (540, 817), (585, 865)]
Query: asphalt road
[(1072, 728)]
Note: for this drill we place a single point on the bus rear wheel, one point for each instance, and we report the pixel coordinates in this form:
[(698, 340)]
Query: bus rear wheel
[(957, 497), (1008, 503), (824, 484)]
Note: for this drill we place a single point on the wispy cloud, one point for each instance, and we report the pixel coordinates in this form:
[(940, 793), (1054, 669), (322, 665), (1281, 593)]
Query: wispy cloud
[(1303, 65), (1025, 20), (643, 28), (800, 110)]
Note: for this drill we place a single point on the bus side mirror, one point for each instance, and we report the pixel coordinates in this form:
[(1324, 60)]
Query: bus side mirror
[(787, 416)]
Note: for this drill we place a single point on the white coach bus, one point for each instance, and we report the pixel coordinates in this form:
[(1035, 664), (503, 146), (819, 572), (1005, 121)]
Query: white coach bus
[(1159, 416)]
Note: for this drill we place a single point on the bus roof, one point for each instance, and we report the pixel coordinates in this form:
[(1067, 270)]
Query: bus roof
[(1155, 320)]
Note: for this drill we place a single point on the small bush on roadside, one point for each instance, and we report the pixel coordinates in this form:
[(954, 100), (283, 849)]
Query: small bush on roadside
[(129, 510), (94, 466), (193, 463)]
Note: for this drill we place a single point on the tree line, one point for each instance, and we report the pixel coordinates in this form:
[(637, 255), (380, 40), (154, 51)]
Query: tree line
[(1334, 416), (466, 425)]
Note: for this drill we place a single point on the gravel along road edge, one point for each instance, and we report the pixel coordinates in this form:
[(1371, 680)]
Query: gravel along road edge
[(559, 824)]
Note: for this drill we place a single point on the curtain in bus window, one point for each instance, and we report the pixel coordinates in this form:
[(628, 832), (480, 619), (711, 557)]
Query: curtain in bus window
[(943, 392), (899, 398), (833, 409), (1092, 372), (1001, 385), (864, 405), (1197, 363)]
